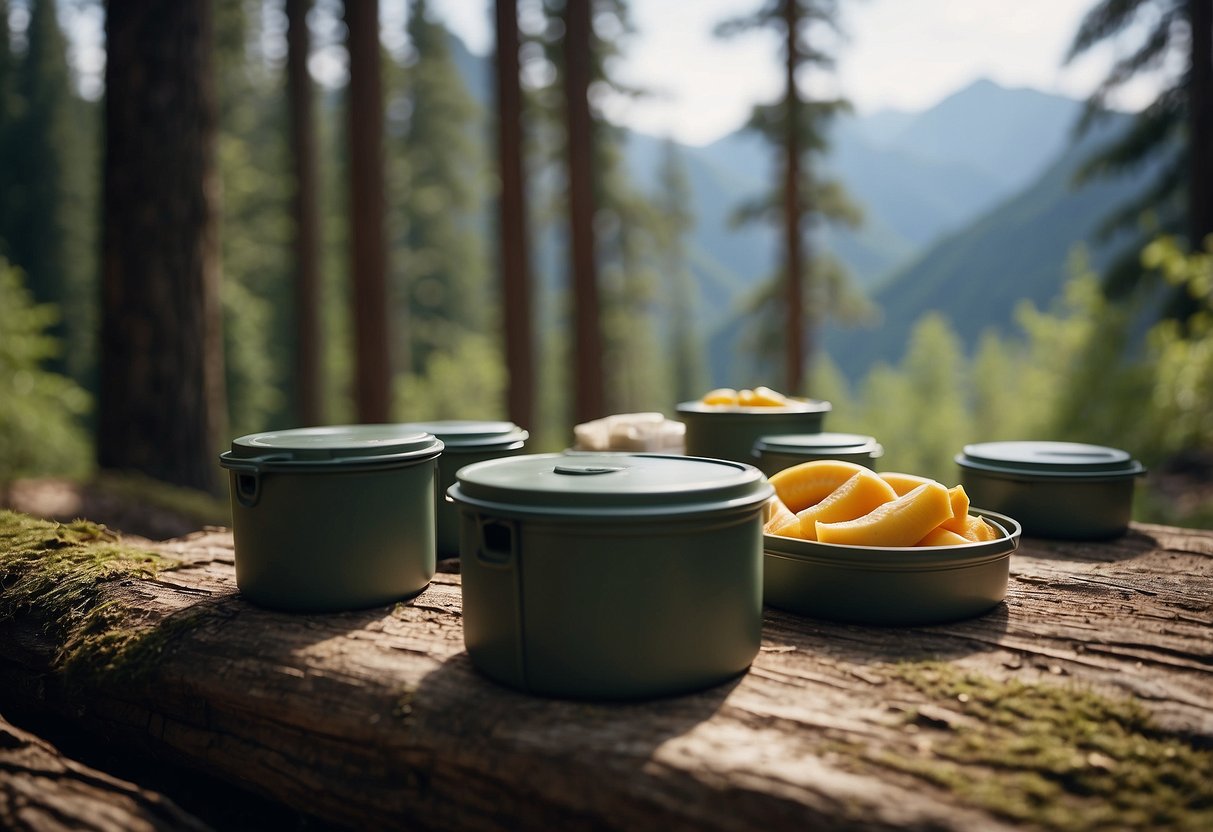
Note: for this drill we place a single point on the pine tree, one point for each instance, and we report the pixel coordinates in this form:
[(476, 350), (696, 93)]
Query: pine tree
[(797, 126), (9, 111)]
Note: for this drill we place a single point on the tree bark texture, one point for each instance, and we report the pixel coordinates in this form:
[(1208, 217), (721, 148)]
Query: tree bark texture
[(793, 242), (368, 240), (161, 399), (309, 391), (589, 380), (512, 233), (376, 718), (43, 791)]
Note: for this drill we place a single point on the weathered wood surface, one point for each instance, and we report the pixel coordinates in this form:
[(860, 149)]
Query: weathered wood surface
[(377, 719), (40, 789)]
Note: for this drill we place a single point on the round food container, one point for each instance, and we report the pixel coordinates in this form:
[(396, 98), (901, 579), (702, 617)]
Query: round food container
[(774, 453), (333, 518), (730, 431), (1060, 490), (889, 585), (465, 442), (611, 576)]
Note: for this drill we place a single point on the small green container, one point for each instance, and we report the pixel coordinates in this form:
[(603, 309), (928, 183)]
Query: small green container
[(611, 576), (891, 585), (465, 442), (775, 453), (1063, 490), (333, 518), (730, 431)]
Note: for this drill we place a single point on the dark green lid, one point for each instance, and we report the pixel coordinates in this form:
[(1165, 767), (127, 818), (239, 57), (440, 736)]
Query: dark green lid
[(613, 484), (470, 435), (819, 443), (1049, 459), (334, 446)]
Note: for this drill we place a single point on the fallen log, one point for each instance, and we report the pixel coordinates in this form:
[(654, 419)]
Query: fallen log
[(1086, 700)]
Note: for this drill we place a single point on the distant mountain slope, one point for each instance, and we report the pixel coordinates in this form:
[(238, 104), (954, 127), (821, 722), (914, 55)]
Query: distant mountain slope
[(976, 276)]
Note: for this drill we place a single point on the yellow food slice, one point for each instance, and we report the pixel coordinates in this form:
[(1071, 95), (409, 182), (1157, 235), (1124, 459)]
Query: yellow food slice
[(960, 510), (901, 522), (976, 528), (745, 397), (766, 397), (940, 536), (780, 519), (854, 498), (811, 482), (904, 483), (721, 395)]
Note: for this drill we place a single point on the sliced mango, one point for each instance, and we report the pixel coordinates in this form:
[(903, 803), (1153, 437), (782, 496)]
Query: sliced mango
[(811, 482), (780, 519), (901, 522), (960, 510), (766, 397), (721, 395), (939, 536), (904, 483), (977, 529), (745, 397), (854, 498)]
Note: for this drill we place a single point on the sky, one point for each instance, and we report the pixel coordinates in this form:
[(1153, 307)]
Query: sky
[(895, 54), (892, 54)]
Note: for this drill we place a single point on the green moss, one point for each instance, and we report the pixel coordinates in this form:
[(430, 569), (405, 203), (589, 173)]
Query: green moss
[(1058, 756), (56, 571)]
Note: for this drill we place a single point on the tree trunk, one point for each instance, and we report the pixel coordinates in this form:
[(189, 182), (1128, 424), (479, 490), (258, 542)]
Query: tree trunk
[(794, 297), (1200, 130), (512, 224), (309, 389), (368, 241), (161, 398), (589, 384)]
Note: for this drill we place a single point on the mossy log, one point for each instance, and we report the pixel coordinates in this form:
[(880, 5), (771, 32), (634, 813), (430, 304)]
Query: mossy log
[(1085, 701), (42, 790)]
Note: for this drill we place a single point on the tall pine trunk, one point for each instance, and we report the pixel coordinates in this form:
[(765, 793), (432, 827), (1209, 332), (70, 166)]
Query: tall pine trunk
[(589, 384), (308, 386), (161, 396), (794, 258), (368, 241), (1200, 123), (512, 224)]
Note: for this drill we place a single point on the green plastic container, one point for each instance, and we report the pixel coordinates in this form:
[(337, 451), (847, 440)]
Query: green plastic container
[(465, 442), (611, 576), (1063, 490), (729, 431), (894, 585), (775, 453), (333, 518)]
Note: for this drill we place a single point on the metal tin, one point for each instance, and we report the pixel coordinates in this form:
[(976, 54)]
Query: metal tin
[(465, 442), (1064, 490), (904, 585), (729, 432), (333, 518), (775, 453), (611, 576)]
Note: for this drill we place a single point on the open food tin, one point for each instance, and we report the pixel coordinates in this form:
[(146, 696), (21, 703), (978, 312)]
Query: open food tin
[(890, 585), (775, 453), (333, 518), (730, 431), (1064, 490), (465, 442), (611, 576)]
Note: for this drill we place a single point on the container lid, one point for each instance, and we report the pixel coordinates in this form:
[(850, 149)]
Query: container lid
[(333, 446), (1049, 459), (793, 406), (610, 484), (819, 443), (470, 435)]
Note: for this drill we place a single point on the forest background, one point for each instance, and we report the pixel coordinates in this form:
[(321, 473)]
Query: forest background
[(1006, 264)]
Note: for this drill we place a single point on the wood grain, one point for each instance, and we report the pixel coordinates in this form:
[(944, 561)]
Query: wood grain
[(377, 719)]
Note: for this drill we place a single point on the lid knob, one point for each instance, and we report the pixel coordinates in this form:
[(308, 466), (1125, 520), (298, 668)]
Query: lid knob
[(583, 470)]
